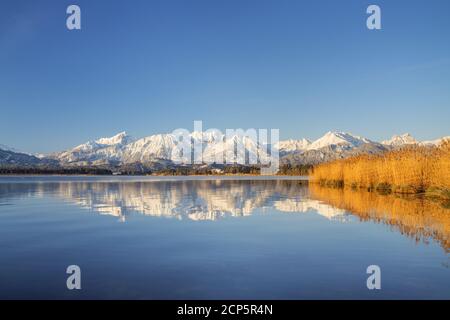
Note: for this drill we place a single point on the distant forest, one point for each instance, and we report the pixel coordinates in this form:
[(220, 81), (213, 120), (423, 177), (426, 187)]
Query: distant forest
[(68, 171), (171, 171)]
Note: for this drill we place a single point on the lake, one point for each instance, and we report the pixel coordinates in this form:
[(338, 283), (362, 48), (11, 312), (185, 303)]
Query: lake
[(217, 238)]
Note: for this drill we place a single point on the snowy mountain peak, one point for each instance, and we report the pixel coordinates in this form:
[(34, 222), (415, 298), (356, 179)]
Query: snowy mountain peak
[(399, 140), (337, 138), (293, 145), (435, 142), (6, 148), (120, 138)]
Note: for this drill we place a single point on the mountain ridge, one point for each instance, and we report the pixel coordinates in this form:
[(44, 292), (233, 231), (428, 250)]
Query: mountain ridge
[(124, 149)]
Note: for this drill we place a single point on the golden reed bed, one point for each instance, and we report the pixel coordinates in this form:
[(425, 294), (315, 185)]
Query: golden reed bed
[(414, 169), (418, 218)]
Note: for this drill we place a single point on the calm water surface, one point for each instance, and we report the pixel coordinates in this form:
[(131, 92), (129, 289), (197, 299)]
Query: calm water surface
[(206, 238)]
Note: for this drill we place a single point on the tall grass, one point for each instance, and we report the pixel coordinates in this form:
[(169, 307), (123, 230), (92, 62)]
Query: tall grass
[(411, 169)]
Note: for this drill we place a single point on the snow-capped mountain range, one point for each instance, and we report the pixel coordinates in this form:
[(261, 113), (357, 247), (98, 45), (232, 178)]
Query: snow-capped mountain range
[(124, 149), (407, 139), (7, 148), (343, 139), (400, 140)]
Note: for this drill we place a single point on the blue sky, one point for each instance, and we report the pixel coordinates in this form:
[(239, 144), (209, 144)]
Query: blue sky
[(148, 67)]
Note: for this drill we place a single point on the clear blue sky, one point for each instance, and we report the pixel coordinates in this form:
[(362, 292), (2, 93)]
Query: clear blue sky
[(148, 67)]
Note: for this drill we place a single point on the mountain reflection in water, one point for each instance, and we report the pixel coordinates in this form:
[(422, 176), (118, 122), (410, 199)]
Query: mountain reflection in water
[(214, 199)]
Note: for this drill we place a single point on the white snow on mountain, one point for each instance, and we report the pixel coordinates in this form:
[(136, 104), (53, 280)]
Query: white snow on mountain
[(435, 142), (293, 145), (216, 147), (400, 140), (407, 139), (331, 138), (156, 146), (10, 149), (123, 148), (338, 138), (7, 148), (120, 138), (101, 149)]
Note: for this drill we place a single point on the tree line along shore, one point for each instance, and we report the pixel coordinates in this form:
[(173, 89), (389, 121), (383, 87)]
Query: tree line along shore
[(292, 170)]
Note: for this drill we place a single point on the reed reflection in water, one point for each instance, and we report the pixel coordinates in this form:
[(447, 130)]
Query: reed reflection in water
[(413, 216)]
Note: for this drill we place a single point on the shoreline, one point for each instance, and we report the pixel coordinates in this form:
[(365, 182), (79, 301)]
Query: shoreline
[(432, 192), (13, 178)]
